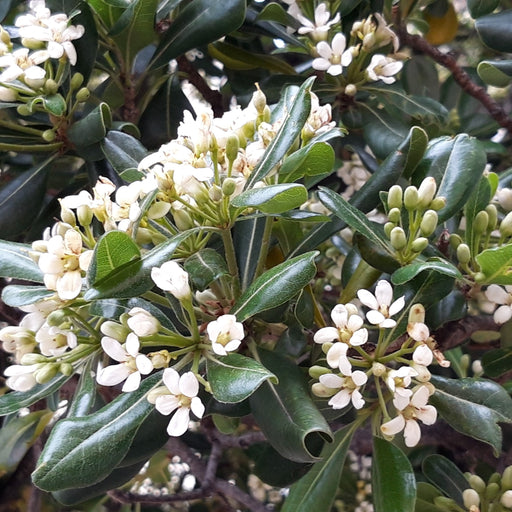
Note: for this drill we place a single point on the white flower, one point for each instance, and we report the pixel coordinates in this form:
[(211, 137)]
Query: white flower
[(398, 381), (226, 334), (142, 323), (132, 364), (498, 295), (349, 389), (337, 358), (181, 400), (418, 331), (170, 277), (381, 308), (320, 28), (19, 64), (21, 377), (407, 418), (332, 57), (383, 68), (353, 174), (54, 341), (423, 355), (349, 327)]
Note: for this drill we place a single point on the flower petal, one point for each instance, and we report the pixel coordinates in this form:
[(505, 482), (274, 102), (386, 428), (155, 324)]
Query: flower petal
[(165, 404), (171, 379), (179, 422), (189, 386), (114, 349)]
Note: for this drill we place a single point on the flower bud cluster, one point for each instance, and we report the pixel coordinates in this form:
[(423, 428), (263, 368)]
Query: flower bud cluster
[(412, 218), (350, 367)]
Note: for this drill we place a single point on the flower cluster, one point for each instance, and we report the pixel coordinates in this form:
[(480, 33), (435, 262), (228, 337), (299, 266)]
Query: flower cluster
[(391, 368)]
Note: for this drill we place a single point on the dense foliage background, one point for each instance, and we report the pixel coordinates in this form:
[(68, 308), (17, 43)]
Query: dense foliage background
[(289, 222)]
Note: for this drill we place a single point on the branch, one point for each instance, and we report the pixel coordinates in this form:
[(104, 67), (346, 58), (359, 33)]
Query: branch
[(421, 45), (213, 97)]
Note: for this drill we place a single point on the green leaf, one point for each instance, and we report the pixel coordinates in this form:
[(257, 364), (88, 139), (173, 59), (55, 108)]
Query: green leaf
[(86, 46), (290, 129), (16, 400), (234, 378), (134, 278), (199, 23), (495, 30), (438, 265), (92, 128), (275, 12), (55, 104), (317, 489), (445, 475), (495, 73), (17, 436), (204, 267), (122, 151), (311, 160), (477, 202), (425, 498), (464, 403), (16, 295), (457, 164), (108, 11), (16, 263), (83, 451), (276, 286), (272, 198), (479, 8), (26, 188), (393, 482), (354, 218), (497, 362), (113, 250), (496, 265), (285, 412)]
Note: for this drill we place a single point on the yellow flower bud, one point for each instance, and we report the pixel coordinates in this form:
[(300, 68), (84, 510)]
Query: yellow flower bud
[(67, 216), (232, 147), (463, 253), (492, 212), (378, 369), (83, 95), (388, 227), (259, 100), (350, 90), (481, 222), (455, 241), (228, 186), (66, 369), (394, 215), (76, 81), (470, 498), (29, 359), (428, 223), (84, 214), (316, 371), (506, 478), (506, 225), (48, 135), (426, 192), (395, 197), (477, 483), (492, 491), (51, 86), (411, 198), (420, 244), (438, 203), (46, 373), (397, 238)]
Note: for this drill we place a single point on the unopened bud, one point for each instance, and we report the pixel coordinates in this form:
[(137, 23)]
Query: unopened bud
[(76, 81), (56, 318), (30, 358), (4, 36), (470, 498), (428, 223), (463, 253), (477, 483), (215, 193), (445, 503), (83, 95), (420, 244), (32, 44), (48, 135), (455, 241), (228, 187), (316, 371), (506, 478), (321, 391), (46, 373), (438, 203), (51, 86), (144, 236), (114, 330), (397, 238), (506, 499), (350, 90), (492, 212), (388, 227), (506, 225), (378, 369), (160, 359), (481, 222), (395, 197), (394, 215), (84, 214), (66, 369), (426, 192), (232, 147), (416, 313), (494, 478), (67, 216), (156, 392), (492, 490), (411, 198), (259, 100), (23, 110)]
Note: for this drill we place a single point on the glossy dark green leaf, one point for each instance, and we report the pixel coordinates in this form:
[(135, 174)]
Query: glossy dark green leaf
[(285, 412), (83, 451), (134, 278), (311, 160), (438, 265), (16, 295), (122, 151), (25, 188), (317, 489), (275, 12), (276, 286), (373, 254), (426, 493), (86, 398), (478, 200), (290, 129), (92, 128), (393, 482), (199, 23), (479, 8), (495, 30), (17, 436), (109, 12), (113, 250), (451, 307), (234, 378), (86, 46), (445, 475), (497, 362), (496, 265), (204, 267), (272, 198), (457, 164), (55, 104), (492, 73), (16, 263), (16, 400), (464, 403)]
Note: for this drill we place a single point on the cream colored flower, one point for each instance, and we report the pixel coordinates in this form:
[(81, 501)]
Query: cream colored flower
[(54, 341), (170, 277), (502, 297), (348, 386), (381, 308), (142, 323), (226, 334), (383, 68), (319, 29), (332, 58)]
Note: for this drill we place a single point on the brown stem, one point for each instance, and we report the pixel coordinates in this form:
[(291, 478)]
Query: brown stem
[(214, 98), (421, 45)]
